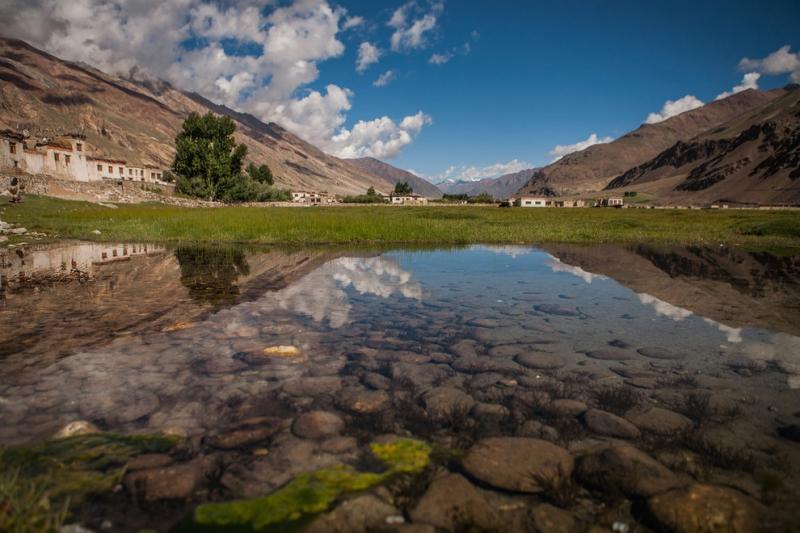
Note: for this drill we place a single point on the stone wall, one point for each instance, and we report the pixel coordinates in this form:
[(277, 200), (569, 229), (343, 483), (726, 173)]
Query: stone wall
[(104, 191)]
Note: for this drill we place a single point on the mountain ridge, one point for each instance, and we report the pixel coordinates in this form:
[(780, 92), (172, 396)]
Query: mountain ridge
[(395, 175)]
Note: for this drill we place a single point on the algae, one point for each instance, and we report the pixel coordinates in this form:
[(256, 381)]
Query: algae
[(39, 482), (312, 493)]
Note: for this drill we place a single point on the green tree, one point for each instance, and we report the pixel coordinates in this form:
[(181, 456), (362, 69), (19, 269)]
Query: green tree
[(403, 187), (208, 162), (371, 192), (261, 174)]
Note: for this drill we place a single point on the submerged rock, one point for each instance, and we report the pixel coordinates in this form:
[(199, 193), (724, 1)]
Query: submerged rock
[(177, 482), (452, 502), (444, 401), (358, 515), (628, 469), (78, 427), (565, 407), (610, 354), (705, 509), (658, 420), (360, 401), (606, 423), (246, 434), (551, 519), (655, 352), (540, 360), (557, 310), (518, 463), (317, 425)]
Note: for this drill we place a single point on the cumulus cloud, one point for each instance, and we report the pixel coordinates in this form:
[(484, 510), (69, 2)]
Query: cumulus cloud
[(440, 59), (475, 173), (368, 54), (384, 79), (238, 54), (382, 137), (674, 107), (749, 81), (556, 265), (561, 150), (411, 24), (781, 61), (663, 308)]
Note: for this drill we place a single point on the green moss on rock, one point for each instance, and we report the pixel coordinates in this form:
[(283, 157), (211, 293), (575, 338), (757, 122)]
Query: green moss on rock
[(312, 493)]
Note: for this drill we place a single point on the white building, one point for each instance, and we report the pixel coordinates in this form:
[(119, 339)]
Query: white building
[(532, 201), (407, 199), (67, 157)]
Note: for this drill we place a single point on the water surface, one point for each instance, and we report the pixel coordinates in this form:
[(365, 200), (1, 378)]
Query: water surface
[(449, 346)]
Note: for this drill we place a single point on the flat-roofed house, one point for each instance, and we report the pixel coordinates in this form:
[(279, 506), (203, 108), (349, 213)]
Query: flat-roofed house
[(407, 199), (532, 201)]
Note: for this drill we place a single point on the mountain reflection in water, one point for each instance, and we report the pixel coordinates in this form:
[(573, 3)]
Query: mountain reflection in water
[(401, 342)]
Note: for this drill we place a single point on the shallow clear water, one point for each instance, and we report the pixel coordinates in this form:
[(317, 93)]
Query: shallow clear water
[(449, 346)]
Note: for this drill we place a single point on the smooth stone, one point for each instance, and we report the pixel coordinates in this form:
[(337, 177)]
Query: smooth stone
[(610, 354), (317, 425), (549, 518), (337, 445), (655, 352), (565, 407), (556, 310), (517, 463), (313, 386), (705, 509), (492, 411), (246, 434), (376, 381), (658, 420), (627, 468), (78, 427), (451, 502), (177, 482), (464, 348), (472, 365), (606, 423), (535, 429), (444, 401), (362, 401), (358, 515), (540, 361)]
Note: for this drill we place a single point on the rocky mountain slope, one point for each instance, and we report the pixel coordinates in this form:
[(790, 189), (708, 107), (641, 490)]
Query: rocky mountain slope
[(137, 121), (500, 188), (754, 158), (593, 168), (396, 175)]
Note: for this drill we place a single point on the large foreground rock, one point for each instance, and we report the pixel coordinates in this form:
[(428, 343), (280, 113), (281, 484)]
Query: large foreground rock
[(451, 502), (626, 468), (358, 515), (606, 423), (705, 509), (518, 463)]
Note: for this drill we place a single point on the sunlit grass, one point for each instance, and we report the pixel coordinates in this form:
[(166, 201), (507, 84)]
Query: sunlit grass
[(370, 224)]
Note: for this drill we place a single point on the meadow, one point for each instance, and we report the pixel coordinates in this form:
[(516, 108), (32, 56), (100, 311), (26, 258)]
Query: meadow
[(760, 229)]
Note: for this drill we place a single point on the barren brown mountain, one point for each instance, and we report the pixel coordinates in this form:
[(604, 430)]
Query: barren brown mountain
[(752, 159), (396, 175), (137, 121), (593, 168)]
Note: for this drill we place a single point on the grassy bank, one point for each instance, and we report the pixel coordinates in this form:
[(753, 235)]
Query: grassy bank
[(455, 225)]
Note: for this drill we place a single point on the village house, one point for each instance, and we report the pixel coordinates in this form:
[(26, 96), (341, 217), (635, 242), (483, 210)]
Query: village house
[(532, 201), (614, 201), (569, 203), (67, 157), (407, 199)]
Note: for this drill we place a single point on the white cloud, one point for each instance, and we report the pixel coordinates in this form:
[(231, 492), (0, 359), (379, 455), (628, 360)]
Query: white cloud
[(749, 81), (411, 25), (556, 265), (674, 107), (664, 308), (146, 38), (440, 59), (781, 61), (474, 173), (384, 79), (561, 150), (352, 22), (382, 137), (368, 54)]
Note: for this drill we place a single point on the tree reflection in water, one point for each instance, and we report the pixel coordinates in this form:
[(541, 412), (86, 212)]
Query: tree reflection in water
[(210, 272)]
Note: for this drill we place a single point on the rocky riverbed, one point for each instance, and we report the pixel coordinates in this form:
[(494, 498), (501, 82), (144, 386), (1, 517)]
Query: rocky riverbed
[(551, 398)]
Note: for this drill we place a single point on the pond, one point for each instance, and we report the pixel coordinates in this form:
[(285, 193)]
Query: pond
[(560, 386)]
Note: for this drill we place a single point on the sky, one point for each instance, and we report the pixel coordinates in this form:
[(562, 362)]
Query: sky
[(452, 89)]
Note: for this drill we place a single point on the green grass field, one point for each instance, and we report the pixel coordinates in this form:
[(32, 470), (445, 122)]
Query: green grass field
[(420, 225)]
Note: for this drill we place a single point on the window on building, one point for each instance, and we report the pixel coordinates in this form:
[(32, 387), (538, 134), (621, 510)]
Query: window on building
[(56, 156), (121, 171), (79, 147), (12, 147), (99, 168), (110, 170), (130, 172), (66, 159)]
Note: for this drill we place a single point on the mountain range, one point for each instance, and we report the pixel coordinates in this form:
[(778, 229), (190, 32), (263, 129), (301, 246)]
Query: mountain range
[(741, 149)]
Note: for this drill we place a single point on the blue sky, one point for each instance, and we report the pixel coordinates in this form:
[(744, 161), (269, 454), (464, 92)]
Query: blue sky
[(546, 73), (518, 82)]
